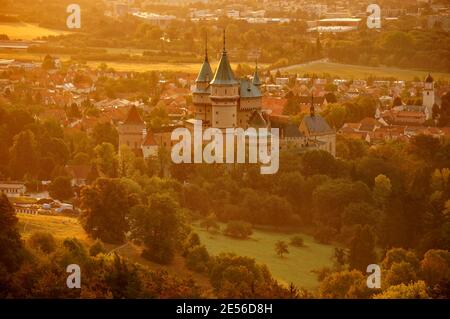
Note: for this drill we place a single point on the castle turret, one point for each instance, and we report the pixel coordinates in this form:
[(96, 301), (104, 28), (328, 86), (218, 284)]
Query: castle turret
[(256, 81), (202, 90), (224, 94)]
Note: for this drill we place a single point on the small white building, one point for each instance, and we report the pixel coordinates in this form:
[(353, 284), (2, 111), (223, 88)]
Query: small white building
[(12, 189)]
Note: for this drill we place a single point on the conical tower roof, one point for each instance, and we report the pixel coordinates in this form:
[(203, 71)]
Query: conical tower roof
[(256, 81), (133, 116), (224, 74), (205, 74)]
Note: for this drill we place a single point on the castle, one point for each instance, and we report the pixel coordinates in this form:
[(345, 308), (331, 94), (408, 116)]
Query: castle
[(222, 101)]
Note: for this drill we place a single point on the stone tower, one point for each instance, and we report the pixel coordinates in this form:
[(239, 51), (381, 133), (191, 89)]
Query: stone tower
[(202, 91), (132, 130), (428, 96), (224, 94)]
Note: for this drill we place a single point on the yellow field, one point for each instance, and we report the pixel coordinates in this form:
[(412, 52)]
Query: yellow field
[(145, 67), (192, 68), (59, 226), (26, 31), (348, 71)]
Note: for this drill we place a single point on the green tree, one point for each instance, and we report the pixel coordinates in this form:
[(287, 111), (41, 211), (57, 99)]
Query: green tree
[(238, 229), (106, 159), (241, 277), (11, 254), (197, 259), (415, 290), (23, 155), (281, 248), (210, 222), (435, 266), (105, 133), (105, 205), (61, 188), (159, 226), (381, 190), (344, 284), (43, 241), (362, 249)]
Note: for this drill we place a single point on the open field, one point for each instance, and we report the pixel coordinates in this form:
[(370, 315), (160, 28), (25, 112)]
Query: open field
[(27, 31), (59, 226), (295, 267), (348, 71), (191, 68)]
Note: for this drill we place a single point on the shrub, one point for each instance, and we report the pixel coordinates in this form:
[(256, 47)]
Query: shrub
[(210, 222), (297, 241), (197, 259), (97, 248), (238, 229), (191, 241), (43, 241)]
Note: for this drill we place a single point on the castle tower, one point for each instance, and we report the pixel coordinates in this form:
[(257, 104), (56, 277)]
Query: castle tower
[(202, 91), (131, 131), (256, 81), (428, 96), (250, 99), (224, 94)]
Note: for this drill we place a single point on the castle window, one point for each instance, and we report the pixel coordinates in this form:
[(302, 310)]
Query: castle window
[(225, 91), (217, 113)]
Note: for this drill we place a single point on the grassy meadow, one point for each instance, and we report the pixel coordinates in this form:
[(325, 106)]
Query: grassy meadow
[(294, 267)]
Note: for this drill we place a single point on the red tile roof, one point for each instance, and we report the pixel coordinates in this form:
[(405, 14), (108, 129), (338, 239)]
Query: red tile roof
[(133, 116), (276, 105), (149, 140)]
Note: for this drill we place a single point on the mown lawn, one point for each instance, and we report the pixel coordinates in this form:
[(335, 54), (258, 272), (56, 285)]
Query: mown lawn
[(348, 71), (295, 267)]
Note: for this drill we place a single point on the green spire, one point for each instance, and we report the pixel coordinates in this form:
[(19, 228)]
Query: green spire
[(256, 81), (205, 74), (224, 74)]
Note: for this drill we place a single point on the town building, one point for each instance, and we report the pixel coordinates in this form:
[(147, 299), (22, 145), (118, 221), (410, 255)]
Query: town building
[(428, 96), (12, 189)]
